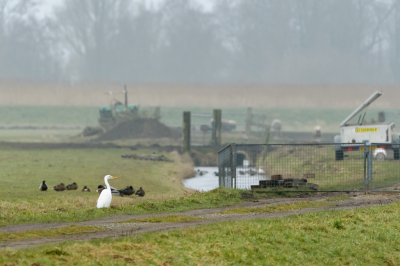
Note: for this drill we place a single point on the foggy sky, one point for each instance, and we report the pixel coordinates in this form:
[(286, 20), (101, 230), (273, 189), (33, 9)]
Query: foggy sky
[(193, 41)]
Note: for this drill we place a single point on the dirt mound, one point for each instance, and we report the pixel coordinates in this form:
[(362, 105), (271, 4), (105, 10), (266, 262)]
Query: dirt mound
[(140, 128)]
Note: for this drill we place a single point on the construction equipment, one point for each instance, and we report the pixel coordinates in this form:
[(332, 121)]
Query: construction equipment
[(353, 136), (117, 112)]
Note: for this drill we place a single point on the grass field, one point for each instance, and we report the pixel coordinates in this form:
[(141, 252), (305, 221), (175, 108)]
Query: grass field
[(23, 170), (367, 236), (294, 119)]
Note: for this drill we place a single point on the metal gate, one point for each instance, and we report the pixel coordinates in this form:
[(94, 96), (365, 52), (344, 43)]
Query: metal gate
[(294, 167), (385, 168)]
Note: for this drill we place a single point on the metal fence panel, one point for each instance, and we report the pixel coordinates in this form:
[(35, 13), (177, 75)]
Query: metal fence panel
[(225, 167), (319, 167), (201, 130), (385, 168)]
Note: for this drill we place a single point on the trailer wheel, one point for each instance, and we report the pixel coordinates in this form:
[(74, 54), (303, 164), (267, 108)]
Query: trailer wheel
[(396, 153), (339, 155), (380, 156)]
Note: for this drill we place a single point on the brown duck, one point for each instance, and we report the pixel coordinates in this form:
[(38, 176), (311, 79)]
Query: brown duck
[(60, 187), (73, 186), (140, 192)]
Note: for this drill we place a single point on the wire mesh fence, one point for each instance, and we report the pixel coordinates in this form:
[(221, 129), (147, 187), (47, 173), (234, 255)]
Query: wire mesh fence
[(294, 167), (201, 129), (385, 168)]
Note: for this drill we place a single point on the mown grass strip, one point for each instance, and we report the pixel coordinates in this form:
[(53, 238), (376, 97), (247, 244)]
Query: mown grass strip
[(280, 207), (62, 231), (366, 236), (165, 219), (75, 209), (342, 197)]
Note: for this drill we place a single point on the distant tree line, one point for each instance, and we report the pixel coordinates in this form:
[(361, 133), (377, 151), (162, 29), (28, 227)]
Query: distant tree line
[(249, 41)]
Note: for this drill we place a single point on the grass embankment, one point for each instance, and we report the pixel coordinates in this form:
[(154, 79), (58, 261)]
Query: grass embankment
[(63, 231), (281, 207), (22, 171), (368, 236), (165, 219)]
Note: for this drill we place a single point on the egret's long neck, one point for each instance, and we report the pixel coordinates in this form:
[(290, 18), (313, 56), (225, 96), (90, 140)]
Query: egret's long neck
[(105, 181)]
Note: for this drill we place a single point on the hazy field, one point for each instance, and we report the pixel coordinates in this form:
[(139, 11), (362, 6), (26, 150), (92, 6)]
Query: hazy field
[(73, 118), (199, 95)]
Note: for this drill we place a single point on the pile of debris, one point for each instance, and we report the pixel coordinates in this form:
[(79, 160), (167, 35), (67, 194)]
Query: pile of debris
[(152, 157), (277, 181), (140, 128)]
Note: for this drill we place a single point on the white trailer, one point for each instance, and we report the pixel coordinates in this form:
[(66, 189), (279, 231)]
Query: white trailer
[(353, 136)]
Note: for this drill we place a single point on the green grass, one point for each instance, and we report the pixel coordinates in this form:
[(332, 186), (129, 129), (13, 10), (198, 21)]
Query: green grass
[(281, 207), (367, 236), (22, 171), (67, 209), (59, 232), (294, 119), (165, 219), (49, 115)]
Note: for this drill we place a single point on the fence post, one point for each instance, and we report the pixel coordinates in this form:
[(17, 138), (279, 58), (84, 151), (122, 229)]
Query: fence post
[(186, 131), (233, 165), (216, 137), (370, 167), (365, 168), (248, 121)]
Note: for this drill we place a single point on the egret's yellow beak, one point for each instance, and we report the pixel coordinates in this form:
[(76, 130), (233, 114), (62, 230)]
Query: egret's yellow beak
[(114, 177)]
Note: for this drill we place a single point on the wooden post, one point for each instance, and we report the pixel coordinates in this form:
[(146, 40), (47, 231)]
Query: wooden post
[(248, 121), (186, 131), (217, 127)]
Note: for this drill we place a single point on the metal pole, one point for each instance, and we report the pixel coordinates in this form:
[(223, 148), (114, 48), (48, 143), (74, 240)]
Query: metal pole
[(233, 165), (186, 131), (365, 168), (369, 174), (126, 96)]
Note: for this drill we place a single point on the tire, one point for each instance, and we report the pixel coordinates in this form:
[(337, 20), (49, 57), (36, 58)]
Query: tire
[(339, 155), (380, 156), (396, 153)]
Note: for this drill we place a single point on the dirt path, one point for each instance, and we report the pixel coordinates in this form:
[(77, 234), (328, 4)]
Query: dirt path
[(127, 229)]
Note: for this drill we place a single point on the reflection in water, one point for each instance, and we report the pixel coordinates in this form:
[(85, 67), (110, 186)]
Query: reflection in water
[(207, 181)]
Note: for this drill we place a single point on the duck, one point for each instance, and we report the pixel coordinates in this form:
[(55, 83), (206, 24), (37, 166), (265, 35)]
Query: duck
[(242, 172), (43, 186), (85, 189), (104, 200), (114, 191), (252, 172), (140, 192), (100, 188), (127, 191), (60, 187), (73, 186)]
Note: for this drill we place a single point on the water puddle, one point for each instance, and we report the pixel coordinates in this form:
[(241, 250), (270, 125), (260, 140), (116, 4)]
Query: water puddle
[(205, 179)]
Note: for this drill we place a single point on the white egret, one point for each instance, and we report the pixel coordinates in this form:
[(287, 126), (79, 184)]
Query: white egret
[(105, 197)]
